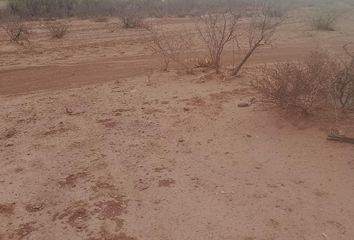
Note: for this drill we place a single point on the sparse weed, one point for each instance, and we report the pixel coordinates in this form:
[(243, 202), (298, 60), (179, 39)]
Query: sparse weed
[(324, 20), (57, 29), (17, 31), (304, 86)]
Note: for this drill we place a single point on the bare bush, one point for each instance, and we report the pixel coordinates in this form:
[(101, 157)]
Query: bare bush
[(216, 30), (344, 88), (16, 30), (57, 29), (260, 32), (132, 14), (344, 85), (183, 8), (38, 8), (32, 9), (203, 63), (132, 21), (171, 47), (324, 20), (300, 86), (101, 19), (275, 8), (96, 9)]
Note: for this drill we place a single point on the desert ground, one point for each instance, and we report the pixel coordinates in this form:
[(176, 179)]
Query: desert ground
[(96, 142)]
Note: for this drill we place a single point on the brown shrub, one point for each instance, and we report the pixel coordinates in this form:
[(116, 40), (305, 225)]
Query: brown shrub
[(276, 8), (324, 20), (203, 63), (171, 47), (132, 21), (16, 30), (101, 19), (344, 85), (57, 29), (344, 89), (300, 86), (260, 33), (216, 30)]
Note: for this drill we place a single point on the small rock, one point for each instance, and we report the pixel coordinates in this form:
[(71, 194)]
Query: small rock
[(37, 207), (10, 133), (68, 111), (243, 104), (9, 145)]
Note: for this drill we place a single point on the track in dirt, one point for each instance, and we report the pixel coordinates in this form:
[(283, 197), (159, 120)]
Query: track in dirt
[(54, 77), (27, 80)]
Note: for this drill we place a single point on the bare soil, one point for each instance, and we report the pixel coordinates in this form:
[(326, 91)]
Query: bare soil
[(97, 143)]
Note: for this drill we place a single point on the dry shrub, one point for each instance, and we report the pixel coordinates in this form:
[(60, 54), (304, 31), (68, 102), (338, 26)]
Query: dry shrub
[(16, 30), (132, 14), (216, 30), (344, 85), (132, 21), (38, 9), (203, 63), (171, 46), (344, 89), (57, 29), (101, 19), (259, 33), (276, 8), (300, 86), (324, 20), (30, 9)]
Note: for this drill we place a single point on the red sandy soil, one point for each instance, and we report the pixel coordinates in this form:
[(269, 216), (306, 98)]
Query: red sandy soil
[(97, 143)]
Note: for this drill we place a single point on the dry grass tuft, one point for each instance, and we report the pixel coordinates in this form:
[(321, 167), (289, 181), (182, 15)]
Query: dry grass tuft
[(17, 31), (324, 20), (304, 86), (57, 29)]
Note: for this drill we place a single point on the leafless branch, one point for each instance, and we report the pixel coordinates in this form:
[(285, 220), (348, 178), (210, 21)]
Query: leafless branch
[(260, 33), (171, 46), (216, 30)]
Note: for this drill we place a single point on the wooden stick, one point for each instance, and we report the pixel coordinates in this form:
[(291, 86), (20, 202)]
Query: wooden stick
[(342, 139)]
